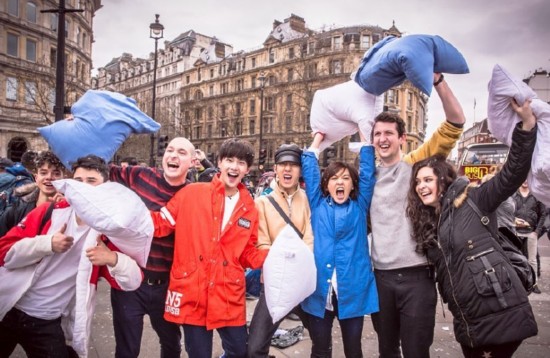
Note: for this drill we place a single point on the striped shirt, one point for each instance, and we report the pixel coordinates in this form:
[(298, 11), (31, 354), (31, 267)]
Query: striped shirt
[(150, 185)]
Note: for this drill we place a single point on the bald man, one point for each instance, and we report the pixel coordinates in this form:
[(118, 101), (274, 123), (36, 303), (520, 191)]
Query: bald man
[(155, 187)]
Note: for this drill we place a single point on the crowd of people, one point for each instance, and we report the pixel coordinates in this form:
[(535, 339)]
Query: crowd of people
[(385, 236)]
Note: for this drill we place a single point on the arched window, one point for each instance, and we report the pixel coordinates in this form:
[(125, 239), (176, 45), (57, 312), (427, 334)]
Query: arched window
[(31, 12)]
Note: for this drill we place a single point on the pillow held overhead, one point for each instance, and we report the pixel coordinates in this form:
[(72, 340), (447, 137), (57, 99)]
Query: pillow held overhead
[(415, 57), (102, 122)]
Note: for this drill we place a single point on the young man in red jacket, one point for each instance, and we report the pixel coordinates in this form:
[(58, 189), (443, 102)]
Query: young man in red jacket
[(216, 228)]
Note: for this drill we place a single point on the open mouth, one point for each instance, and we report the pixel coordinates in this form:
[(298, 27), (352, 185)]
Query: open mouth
[(340, 193), (172, 165)]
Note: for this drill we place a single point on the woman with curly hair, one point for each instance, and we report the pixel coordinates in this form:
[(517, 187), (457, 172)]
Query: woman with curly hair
[(491, 311)]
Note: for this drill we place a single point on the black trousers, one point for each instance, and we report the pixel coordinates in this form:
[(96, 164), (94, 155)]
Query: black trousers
[(38, 337), (406, 319)]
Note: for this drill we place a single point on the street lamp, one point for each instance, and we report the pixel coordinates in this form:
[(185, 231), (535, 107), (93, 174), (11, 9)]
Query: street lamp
[(156, 33), (261, 151)]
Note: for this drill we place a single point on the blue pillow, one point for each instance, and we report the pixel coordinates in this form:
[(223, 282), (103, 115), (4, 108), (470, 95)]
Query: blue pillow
[(102, 122), (414, 57)]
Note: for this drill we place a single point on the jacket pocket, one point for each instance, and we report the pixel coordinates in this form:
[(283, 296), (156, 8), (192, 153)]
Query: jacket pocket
[(489, 272)]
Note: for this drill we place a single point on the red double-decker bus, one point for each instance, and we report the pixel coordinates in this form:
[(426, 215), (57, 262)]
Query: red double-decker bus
[(482, 158)]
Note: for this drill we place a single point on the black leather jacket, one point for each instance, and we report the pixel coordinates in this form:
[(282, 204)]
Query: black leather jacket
[(466, 251)]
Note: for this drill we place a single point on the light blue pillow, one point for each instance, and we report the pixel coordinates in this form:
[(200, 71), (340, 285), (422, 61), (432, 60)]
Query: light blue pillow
[(414, 57), (102, 122)]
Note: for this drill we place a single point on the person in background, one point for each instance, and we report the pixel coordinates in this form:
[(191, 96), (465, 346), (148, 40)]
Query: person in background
[(505, 211), (216, 226), (128, 161), (155, 187), (491, 310), (27, 197), (529, 223), (346, 289), (203, 170), (293, 201)]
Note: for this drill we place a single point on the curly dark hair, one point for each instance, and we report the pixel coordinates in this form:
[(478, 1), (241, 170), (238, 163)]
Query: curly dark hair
[(333, 169), (47, 156), (424, 219)]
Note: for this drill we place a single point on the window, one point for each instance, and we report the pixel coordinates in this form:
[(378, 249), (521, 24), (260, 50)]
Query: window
[(270, 103), (211, 90), (409, 123), (53, 57), (291, 53), (288, 123), (84, 40), (335, 67), (311, 70), (238, 108), (253, 82), (290, 75), (271, 55), (365, 41), (210, 115), (53, 22), (209, 131), (198, 113), (337, 43), (253, 62), (13, 7), (375, 38), (30, 92), (211, 73), (11, 89), (252, 127), (187, 79), (238, 128), (31, 12), (222, 110), (272, 80), (239, 85), (31, 50), (198, 132), (252, 106), (67, 24), (289, 101), (223, 88), (78, 35), (13, 45), (409, 100)]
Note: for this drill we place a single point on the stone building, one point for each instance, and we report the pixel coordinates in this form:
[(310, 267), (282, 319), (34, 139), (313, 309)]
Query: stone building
[(224, 93), (28, 52)]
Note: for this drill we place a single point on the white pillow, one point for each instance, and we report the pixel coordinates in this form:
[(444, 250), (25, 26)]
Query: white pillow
[(501, 120), (115, 211), (289, 273), (339, 110)]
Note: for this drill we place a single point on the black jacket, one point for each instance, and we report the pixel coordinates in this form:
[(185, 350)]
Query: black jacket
[(466, 254), (531, 210), (26, 197)]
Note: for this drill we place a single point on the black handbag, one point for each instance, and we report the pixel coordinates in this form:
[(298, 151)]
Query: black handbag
[(511, 245)]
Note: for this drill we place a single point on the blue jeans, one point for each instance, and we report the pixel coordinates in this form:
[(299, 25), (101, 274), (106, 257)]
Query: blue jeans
[(38, 337), (198, 341), (320, 331), (129, 307), (407, 311)]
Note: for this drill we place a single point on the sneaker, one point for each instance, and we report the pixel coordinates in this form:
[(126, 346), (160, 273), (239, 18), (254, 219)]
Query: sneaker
[(292, 317), (536, 289)]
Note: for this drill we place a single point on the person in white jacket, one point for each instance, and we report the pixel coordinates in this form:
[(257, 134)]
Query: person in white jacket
[(49, 266)]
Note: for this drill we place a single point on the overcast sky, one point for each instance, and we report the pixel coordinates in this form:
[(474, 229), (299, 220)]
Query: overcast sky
[(512, 33)]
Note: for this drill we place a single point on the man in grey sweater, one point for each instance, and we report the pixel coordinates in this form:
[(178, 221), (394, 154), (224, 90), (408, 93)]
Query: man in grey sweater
[(404, 279)]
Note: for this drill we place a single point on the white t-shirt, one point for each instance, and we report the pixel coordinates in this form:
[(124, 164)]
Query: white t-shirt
[(230, 203)]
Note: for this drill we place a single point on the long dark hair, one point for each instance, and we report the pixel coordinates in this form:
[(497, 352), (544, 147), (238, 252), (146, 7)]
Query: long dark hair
[(424, 218)]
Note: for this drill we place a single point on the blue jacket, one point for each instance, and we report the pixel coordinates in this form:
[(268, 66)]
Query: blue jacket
[(340, 244)]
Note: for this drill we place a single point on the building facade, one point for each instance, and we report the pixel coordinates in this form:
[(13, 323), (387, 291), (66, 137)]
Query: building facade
[(28, 53), (263, 94)]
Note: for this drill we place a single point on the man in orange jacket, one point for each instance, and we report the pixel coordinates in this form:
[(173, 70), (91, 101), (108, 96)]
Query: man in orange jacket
[(216, 229)]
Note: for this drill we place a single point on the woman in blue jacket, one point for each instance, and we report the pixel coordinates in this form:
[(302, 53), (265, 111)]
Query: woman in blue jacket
[(346, 289)]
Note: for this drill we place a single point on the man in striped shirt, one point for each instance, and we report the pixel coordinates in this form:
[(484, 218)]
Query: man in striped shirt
[(155, 187)]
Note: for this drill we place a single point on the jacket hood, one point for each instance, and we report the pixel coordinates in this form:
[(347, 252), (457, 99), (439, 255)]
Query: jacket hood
[(27, 192)]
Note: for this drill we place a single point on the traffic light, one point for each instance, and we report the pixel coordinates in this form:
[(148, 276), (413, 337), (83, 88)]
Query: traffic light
[(330, 154), (263, 156), (162, 144)]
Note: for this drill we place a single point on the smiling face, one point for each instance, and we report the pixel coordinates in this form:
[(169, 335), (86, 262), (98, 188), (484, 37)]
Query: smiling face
[(427, 187), (288, 175), (232, 171), (177, 159), (340, 185), (44, 177), (387, 142)]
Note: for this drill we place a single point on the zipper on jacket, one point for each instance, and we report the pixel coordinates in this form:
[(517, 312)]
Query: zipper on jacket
[(453, 292), (482, 253)]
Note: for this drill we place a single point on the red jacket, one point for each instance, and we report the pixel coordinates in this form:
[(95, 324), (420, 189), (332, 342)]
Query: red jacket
[(207, 283)]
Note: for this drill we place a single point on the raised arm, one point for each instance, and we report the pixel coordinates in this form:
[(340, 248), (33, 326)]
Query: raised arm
[(310, 170)]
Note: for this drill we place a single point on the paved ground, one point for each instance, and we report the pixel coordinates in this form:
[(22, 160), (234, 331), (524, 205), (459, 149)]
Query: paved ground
[(102, 341)]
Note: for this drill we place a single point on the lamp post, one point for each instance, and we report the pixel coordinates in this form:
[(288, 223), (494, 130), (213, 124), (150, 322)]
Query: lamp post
[(156, 33), (59, 107), (261, 78)]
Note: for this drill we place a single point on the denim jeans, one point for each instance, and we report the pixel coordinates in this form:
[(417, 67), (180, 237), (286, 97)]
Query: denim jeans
[(198, 341), (38, 337), (408, 299), (320, 331), (129, 307)]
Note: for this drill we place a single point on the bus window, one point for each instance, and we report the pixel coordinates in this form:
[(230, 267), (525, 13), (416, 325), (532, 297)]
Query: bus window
[(481, 159)]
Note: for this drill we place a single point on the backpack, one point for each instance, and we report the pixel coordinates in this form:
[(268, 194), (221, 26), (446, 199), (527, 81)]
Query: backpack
[(14, 177)]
